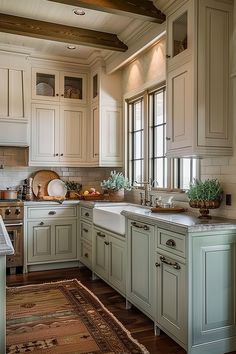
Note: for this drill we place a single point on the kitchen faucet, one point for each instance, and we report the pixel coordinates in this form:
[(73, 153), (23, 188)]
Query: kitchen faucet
[(147, 197)]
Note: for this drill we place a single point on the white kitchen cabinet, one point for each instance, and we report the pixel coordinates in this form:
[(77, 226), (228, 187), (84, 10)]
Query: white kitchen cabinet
[(140, 266), (109, 252), (105, 128), (59, 86), (57, 135), (199, 93), (50, 236), (14, 98)]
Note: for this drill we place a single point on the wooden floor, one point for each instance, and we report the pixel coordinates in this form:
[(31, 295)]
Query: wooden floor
[(137, 323)]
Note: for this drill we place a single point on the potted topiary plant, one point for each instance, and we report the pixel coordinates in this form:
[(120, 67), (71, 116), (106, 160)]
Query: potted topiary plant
[(115, 185), (73, 189), (205, 195)]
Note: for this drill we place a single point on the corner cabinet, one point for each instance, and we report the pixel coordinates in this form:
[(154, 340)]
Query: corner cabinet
[(105, 128), (199, 92), (57, 134)]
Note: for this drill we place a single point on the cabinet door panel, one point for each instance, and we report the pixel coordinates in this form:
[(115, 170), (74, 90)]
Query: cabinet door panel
[(95, 129), (4, 93), (180, 107), (111, 137), (171, 299), (117, 263), (100, 264), (140, 265), (16, 99), (214, 74), (72, 133), (65, 240), (214, 290), (45, 84), (39, 240), (45, 127)]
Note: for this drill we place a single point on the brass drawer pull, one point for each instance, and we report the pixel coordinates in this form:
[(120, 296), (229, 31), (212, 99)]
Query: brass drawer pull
[(171, 243), (135, 224), (106, 243), (100, 234), (175, 265), (86, 255), (86, 214), (41, 223), (51, 213), (85, 230)]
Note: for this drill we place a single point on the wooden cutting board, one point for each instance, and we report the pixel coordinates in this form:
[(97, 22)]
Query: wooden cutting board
[(168, 210), (43, 177)]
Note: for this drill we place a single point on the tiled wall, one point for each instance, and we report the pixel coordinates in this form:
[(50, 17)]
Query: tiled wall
[(89, 177)]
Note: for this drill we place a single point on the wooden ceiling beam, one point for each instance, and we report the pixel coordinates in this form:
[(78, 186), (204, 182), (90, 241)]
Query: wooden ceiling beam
[(143, 9), (60, 33)]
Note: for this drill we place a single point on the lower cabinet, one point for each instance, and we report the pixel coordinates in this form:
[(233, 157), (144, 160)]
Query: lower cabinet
[(171, 304), (213, 277), (50, 235), (85, 242), (140, 266), (109, 256), (52, 241)]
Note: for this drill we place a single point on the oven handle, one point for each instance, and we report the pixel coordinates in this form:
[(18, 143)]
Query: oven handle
[(16, 224)]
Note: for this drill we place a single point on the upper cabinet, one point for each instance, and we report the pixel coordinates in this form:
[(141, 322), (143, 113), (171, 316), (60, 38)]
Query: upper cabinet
[(105, 127), (14, 106), (60, 86), (199, 115)]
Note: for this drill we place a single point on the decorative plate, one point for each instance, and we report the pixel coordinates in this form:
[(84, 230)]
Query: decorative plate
[(44, 89), (57, 187)]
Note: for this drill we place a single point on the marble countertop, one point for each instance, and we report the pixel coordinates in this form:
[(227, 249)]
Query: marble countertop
[(185, 220), (50, 202), (5, 243)]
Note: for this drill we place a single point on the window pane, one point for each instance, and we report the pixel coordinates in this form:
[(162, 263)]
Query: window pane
[(138, 115), (158, 142), (159, 168), (159, 108), (137, 153), (138, 171), (186, 173)]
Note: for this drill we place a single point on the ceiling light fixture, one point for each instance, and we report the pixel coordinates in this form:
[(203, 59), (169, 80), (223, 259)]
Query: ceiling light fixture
[(71, 47), (79, 12)]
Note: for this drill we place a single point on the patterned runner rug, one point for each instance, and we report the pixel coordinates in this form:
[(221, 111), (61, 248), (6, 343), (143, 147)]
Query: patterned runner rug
[(63, 318)]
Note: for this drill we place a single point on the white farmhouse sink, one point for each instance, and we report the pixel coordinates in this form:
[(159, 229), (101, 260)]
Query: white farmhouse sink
[(110, 218)]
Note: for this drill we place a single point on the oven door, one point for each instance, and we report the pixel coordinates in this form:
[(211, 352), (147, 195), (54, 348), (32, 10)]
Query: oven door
[(15, 232)]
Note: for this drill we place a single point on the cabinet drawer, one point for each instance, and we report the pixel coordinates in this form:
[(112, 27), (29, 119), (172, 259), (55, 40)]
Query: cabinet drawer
[(86, 231), (171, 242), (52, 212), (86, 253), (86, 213)]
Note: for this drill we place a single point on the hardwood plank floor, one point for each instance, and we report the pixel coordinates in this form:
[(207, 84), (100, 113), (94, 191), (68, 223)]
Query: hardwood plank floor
[(135, 321)]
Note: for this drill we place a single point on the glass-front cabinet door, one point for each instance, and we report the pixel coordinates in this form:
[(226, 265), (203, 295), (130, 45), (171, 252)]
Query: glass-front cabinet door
[(45, 84), (179, 33), (72, 87)]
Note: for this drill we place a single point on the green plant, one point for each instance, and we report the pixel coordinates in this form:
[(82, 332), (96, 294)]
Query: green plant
[(209, 189), (73, 186), (116, 181)]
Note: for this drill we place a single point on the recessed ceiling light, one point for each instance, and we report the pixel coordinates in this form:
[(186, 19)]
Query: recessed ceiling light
[(71, 47), (79, 12)]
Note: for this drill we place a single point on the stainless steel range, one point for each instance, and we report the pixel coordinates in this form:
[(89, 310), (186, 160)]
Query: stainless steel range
[(12, 212)]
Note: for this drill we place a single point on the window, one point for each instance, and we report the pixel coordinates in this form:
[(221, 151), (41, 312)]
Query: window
[(136, 139), (147, 145)]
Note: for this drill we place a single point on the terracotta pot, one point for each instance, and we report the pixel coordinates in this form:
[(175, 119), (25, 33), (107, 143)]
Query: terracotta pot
[(116, 196), (9, 194)]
